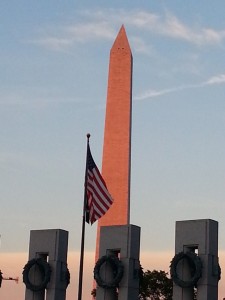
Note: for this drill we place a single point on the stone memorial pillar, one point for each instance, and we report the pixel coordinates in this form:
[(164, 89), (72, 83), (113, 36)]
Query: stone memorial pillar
[(47, 258), (196, 260), (122, 241)]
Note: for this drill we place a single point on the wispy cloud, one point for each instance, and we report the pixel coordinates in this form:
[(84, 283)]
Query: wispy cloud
[(54, 43), (141, 46), (25, 100), (91, 31), (169, 25), (79, 33), (103, 25), (172, 27), (219, 79)]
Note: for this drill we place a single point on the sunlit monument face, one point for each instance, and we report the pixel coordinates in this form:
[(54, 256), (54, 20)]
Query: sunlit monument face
[(117, 135)]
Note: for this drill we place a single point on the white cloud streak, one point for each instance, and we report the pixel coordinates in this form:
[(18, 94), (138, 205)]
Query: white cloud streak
[(172, 27), (220, 79), (80, 33), (215, 80), (103, 25), (42, 102)]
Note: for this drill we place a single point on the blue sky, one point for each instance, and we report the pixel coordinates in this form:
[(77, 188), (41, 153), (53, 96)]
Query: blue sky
[(53, 67)]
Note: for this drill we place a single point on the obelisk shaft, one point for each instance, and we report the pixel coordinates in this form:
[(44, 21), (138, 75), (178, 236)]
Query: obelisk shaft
[(116, 161)]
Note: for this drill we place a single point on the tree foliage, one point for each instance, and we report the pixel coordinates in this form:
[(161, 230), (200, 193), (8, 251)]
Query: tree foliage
[(155, 285)]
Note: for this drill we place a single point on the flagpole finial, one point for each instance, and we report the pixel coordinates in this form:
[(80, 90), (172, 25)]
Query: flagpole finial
[(88, 136)]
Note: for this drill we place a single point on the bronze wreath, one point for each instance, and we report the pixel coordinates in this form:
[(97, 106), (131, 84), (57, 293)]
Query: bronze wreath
[(45, 271), (65, 276), (219, 272), (195, 265), (117, 268), (216, 272)]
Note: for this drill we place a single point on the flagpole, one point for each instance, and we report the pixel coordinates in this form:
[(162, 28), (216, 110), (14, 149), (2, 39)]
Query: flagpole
[(83, 233)]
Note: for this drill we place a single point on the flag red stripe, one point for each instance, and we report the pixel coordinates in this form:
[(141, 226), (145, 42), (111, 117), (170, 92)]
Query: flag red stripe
[(101, 184), (103, 195), (100, 187), (98, 198)]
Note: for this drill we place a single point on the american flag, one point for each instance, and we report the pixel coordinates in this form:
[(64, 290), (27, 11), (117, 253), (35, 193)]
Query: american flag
[(98, 199)]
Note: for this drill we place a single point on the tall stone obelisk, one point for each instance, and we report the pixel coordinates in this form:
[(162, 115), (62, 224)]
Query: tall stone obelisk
[(116, 236), (116, 161)]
